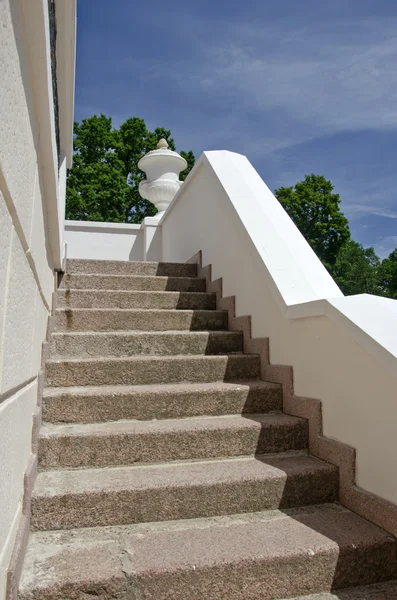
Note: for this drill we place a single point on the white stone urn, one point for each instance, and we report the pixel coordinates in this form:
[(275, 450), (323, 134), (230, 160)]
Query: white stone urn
[(162, 168)]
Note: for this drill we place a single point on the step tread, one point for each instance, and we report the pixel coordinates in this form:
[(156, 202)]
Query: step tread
[(147, 369), (120, 282), (243, 557), (150, 333), (93, 404), (129, 276), (149, 263), (130, 442), (161, 293), (72, 295), (56, 483), (153, 319), (146, 311), (98, 266), (237, 422), (176, 357), (139, 342), (167, 388)]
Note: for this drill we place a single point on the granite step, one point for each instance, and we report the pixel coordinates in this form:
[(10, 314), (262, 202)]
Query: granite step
[(261, 556), (154, 343), (146, 370), (167, 401), (129, 442), (64, 499), (132, 283), (103, 319), (135, 299), (119, 267)]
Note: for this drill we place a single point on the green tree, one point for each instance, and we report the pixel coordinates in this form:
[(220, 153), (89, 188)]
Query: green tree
[(103, 182), (388, 275), (356, 269), (315, 211)]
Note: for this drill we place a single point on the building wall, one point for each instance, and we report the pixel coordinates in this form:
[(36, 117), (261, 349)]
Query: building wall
[(26, 267)]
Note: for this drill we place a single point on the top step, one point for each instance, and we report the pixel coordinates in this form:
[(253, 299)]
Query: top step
[(117, 267)]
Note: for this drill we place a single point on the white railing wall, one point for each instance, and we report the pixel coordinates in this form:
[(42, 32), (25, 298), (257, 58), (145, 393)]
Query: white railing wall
[(343, 350), (104, 241)]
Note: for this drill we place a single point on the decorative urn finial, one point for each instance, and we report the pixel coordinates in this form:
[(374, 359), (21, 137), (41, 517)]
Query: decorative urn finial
[(162, 144), (162, 168)]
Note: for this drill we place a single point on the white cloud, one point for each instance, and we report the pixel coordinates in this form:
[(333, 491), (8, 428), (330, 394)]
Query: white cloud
[(314, 82), (353, 210)]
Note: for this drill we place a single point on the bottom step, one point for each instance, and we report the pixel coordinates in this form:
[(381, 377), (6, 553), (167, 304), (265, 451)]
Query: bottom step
[(258, 556)]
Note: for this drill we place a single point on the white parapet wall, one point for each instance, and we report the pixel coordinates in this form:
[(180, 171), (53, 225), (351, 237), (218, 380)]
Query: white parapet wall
[(343, 350), (104, 241)]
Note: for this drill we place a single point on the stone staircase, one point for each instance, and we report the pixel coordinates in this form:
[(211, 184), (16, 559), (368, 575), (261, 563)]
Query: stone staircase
[(167, 468)]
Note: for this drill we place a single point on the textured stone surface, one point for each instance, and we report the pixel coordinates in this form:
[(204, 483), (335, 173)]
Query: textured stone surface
[(130, 343), (18, 332), (119, 495), (127, 442), (91, 319), (118, 267), (132, 282), (17, 149), (135, 299), (16, 427), (112, 403), (142, 370), (39, 245), (378, 591), (241, 557), (5, 248)]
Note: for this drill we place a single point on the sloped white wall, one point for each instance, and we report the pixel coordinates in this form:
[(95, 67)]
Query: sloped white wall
[(343, 349)]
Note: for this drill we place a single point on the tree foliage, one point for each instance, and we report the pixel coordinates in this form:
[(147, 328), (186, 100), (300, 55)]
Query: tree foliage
[(356, 269), (103, 182), (388, 275), (315, 211), (314, 208)]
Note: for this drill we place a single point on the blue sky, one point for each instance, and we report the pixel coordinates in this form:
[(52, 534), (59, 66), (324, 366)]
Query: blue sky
[(298, 87)]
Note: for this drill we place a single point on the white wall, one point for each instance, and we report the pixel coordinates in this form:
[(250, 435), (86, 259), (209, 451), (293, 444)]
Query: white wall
[(103, 241), (343, 350), (30, 245)]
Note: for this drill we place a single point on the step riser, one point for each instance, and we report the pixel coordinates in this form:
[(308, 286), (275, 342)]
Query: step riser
[(120, 282), (75, 408), (89, 345), (110, 267), (152, 371), (109, 320), (163, 504), (242, 557), (112, 450), (258, 579), (265, 580), (143, 300)]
